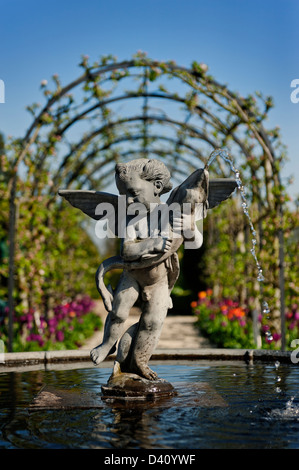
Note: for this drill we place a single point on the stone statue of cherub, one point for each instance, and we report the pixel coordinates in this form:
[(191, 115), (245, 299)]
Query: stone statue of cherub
[(148, 254)]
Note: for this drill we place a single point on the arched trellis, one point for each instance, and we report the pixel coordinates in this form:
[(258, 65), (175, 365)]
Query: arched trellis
[(143, 107)]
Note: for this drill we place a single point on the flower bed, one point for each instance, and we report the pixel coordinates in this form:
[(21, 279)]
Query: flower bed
[(229, 325), (66, 327), (224, 321)]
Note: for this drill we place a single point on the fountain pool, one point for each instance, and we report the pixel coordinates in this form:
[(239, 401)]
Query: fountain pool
[(218, 404)]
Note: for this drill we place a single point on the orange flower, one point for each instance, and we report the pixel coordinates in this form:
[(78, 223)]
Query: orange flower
[(230, 315), (224, 308), (193, 304), (237, 312), (72, 314), (202, 294), (209, 291)]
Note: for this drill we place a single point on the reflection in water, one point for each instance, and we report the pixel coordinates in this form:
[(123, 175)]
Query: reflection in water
[(218, 405)]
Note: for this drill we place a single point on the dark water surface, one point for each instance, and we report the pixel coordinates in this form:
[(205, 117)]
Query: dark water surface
[(218, 405)]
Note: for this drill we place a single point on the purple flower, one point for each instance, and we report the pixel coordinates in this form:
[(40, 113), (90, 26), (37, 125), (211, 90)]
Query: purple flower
[(59, 335), (265, 327), (276, 336)]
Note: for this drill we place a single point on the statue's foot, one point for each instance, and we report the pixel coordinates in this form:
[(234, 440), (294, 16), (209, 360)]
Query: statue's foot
[(146, 372), (99, 353)]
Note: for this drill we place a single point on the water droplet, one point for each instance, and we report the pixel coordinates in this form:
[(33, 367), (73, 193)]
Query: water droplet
[(277, 364), (269, 336), (260, 277), (254, 242), (266, 309)]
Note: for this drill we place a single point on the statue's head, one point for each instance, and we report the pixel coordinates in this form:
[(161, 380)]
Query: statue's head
[(142, 180)]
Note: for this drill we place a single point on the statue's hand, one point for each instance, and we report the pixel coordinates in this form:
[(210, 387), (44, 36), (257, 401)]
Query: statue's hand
[(184, 225), (178, 225), (162, 244)]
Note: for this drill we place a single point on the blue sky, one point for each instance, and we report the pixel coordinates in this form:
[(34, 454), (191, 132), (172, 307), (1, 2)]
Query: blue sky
[(250, 45)]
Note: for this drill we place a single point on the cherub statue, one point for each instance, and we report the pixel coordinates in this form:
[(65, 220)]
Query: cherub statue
[(148, 253)]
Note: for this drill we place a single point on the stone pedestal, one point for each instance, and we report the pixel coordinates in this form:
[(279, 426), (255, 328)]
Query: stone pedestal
[(128, 386)]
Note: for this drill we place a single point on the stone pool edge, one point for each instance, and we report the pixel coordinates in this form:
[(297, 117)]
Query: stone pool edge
[(67, 356)]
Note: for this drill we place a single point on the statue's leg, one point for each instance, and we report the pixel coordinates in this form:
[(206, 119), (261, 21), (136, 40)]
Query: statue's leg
[(124, 345), (125, 296), (150, 327)]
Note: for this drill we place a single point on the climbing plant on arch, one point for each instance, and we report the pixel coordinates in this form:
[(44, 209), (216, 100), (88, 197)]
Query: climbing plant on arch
[(118, 111)]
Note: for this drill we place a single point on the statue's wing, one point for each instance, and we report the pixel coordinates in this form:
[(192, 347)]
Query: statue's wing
[(88, 202), (219, 190)]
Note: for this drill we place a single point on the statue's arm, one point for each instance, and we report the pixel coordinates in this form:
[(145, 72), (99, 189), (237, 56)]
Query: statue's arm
[(132, 250)]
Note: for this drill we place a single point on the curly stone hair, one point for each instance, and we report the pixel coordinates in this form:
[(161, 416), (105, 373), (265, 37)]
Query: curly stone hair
[(148, 169)]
